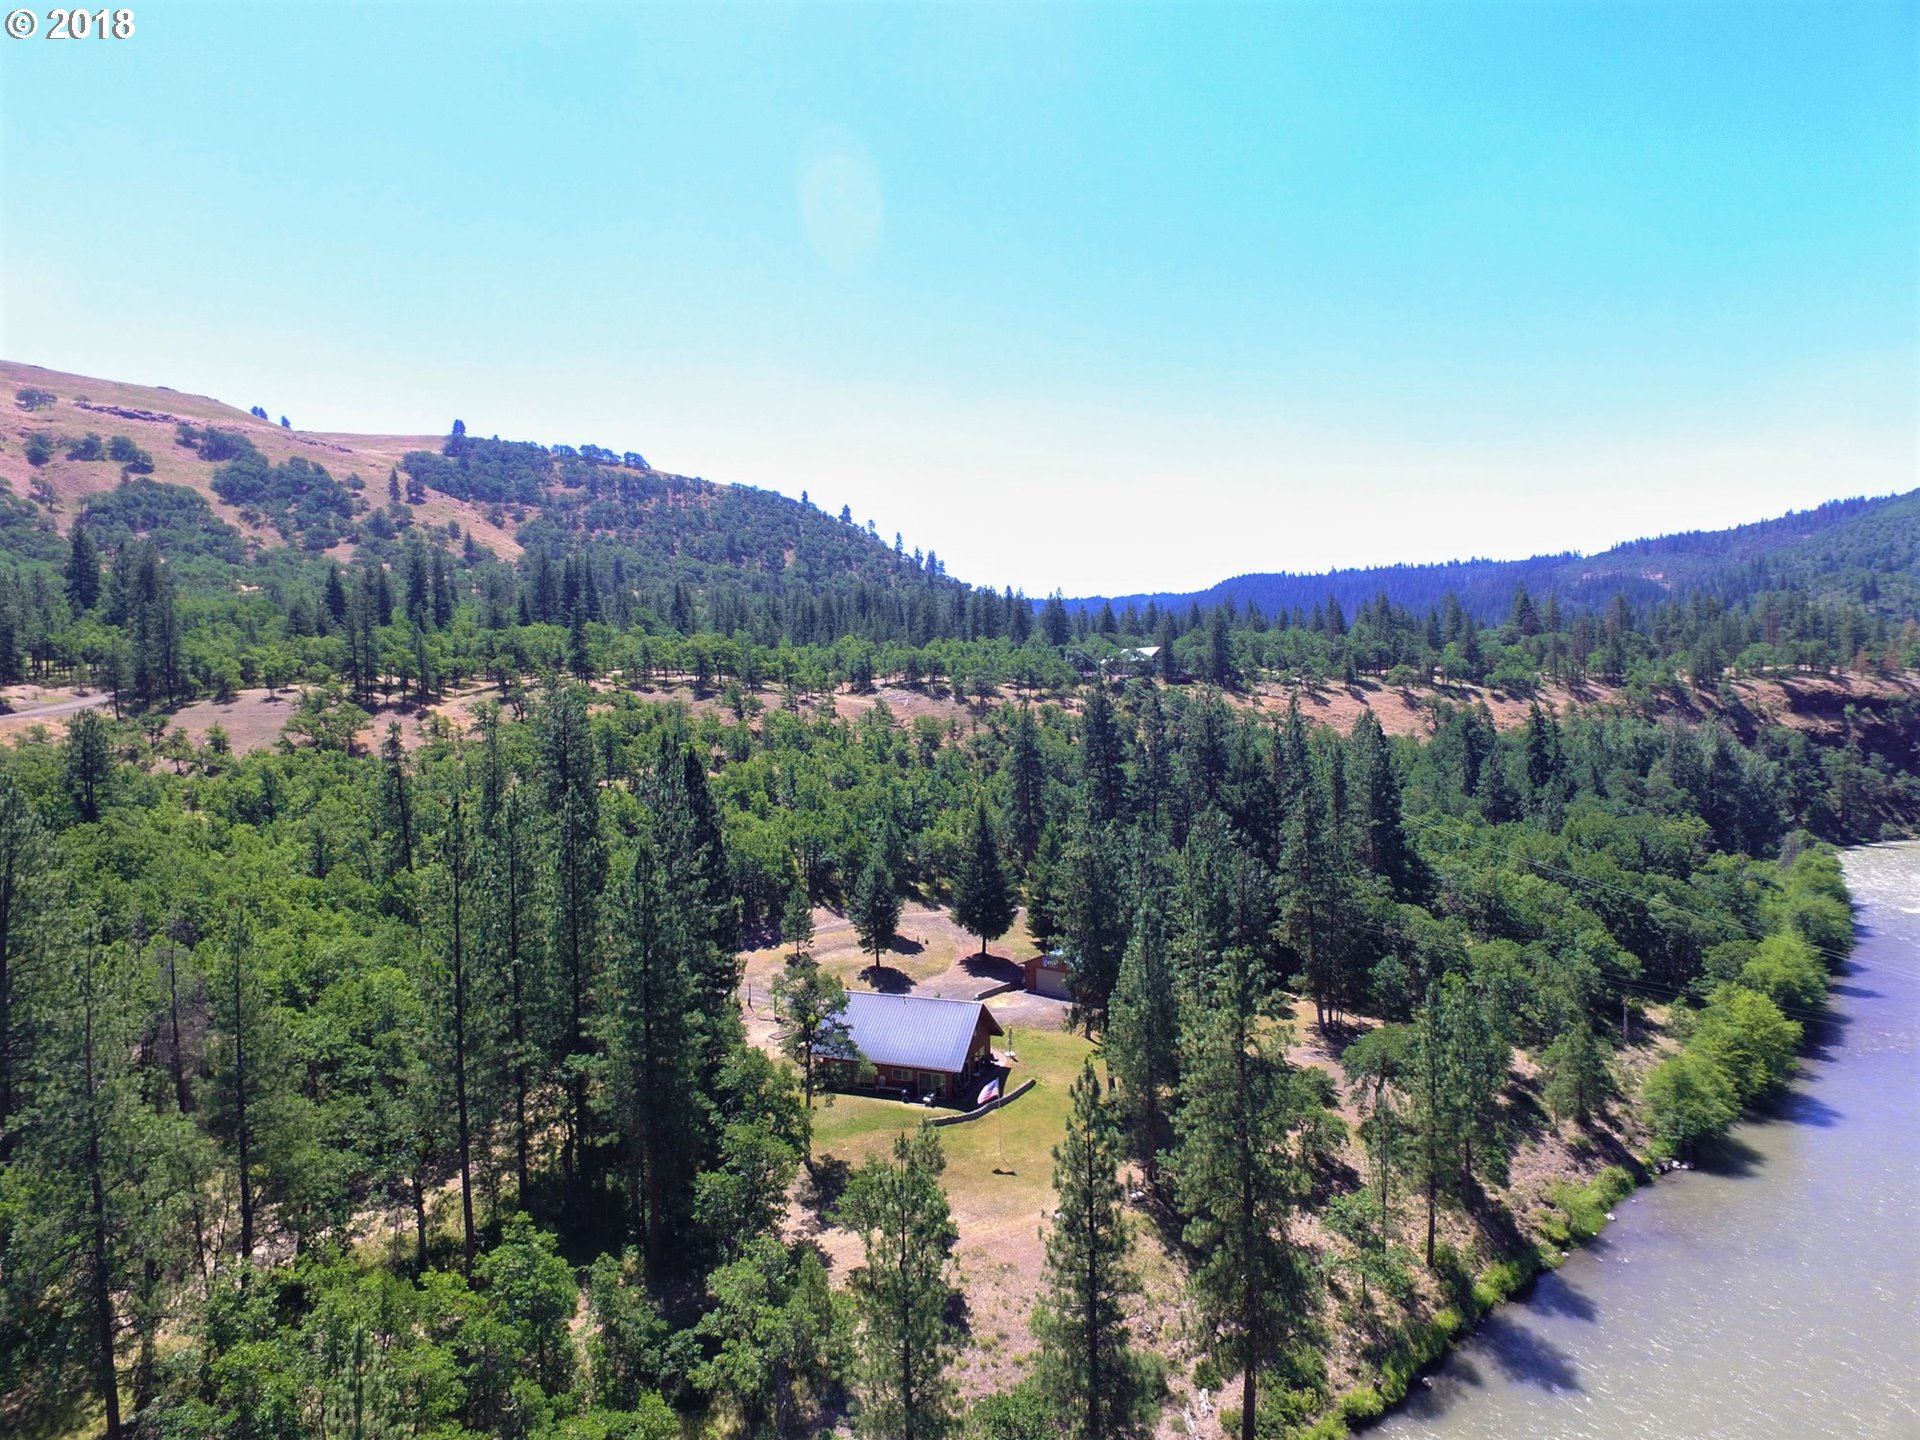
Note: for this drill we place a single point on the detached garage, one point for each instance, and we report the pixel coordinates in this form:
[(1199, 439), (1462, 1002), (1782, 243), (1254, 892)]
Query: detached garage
[(1050, 975)]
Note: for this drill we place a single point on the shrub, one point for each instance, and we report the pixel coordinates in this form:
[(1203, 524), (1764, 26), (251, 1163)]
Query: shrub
[(1585, 1206), (1362, 1403), (1746, 1035), (1688, 1097), (1017, 1414), (39, 449), (1503, 1279), (1786, 970)]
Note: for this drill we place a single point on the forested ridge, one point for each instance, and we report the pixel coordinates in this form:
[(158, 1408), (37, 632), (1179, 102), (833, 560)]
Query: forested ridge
[(358, 1087)]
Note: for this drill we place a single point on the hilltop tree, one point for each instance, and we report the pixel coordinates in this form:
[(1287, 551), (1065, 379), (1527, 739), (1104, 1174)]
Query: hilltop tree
[(903, 1340), (1088, 1369), (982, 899)]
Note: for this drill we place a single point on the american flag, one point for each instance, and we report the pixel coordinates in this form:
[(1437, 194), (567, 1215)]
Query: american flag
[(989, 1092)]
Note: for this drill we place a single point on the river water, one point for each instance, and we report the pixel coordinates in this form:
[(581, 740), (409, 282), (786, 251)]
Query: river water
[(1776, 1294)]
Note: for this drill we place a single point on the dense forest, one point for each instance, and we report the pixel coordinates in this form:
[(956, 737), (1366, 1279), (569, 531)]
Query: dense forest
[(1845, 549), (253, 1005)]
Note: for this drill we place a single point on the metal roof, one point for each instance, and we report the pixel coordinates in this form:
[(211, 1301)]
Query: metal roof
[(916, 1032)]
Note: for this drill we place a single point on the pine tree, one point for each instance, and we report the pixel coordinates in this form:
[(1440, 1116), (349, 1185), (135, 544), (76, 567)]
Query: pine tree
[(875, 907), (1026, 787), (461, 1003), (1102, 782), (509, 903), (693, 859), (1379, 827), (644, 1020), (1437, 1096), (25, 862), (82, 570), (904, 1342), (1045, 919), (982, 899), (1095, 916), (796, 922), (576, 875), (1142, 1039), (1376, 1064), (396, 805), (89, 764), (83, 1208), (1088, 1370), (1238, 1178)]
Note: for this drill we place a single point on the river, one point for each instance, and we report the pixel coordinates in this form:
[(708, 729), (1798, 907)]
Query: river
[(1775, 1294)]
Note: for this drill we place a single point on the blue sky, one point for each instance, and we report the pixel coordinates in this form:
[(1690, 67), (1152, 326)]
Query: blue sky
[(1111, 297)]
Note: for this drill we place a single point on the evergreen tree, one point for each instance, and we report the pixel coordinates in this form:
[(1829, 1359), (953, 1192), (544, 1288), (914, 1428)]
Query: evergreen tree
[(1142, 1039), (576, 874), (89, 764), (396, 805), (82, 570), (26, 859), (644, 1020), (510, 933), (1097, 1384), (89, 1183), (1438, 1095), (461, 1006), (1238, 1178), (1095, 916), (796, 922), (1045, 911), (903, 1340), (1026, 786), (1102, 782), (982, 898), (875, 907), (1380, 830)]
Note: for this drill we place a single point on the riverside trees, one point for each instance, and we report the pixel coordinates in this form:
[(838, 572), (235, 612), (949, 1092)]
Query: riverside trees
[(314, 952)]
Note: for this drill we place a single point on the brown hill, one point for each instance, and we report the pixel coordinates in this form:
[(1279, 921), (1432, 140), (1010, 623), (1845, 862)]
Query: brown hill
[(149, 415)]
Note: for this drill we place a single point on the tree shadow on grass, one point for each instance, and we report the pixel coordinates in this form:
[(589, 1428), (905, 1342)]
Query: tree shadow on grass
[(904, 945), (887, 980)]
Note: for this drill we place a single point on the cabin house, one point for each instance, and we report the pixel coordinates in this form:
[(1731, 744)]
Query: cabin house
[(1050, 974), (916, 1043)]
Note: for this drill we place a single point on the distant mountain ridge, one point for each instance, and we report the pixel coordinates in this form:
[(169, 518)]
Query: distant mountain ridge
[(1861, 549)]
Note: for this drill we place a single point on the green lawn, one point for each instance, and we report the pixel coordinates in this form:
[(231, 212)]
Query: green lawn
[(999, 1167)]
